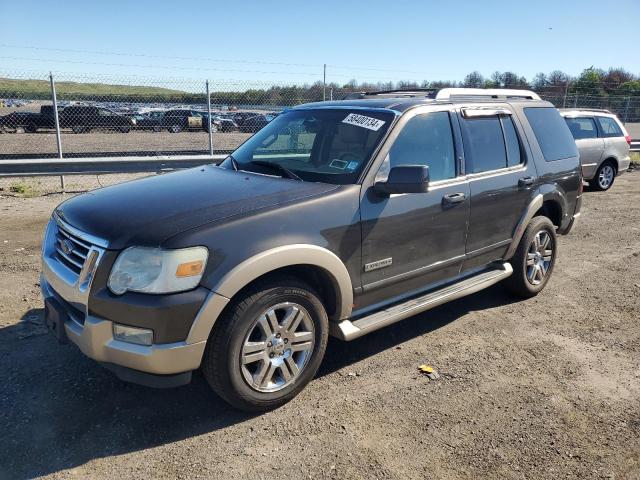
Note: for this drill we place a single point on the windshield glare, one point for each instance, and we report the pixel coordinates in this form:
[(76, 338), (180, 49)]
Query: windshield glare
[(322, 145)]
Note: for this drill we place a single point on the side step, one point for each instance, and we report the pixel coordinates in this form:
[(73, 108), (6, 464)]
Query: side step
[(348, 330)]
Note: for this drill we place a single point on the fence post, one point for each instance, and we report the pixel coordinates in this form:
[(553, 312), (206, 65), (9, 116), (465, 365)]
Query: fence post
[(57, 123), (626, 110), (575, 100), (566, 90), (209, 120), (324, 83)]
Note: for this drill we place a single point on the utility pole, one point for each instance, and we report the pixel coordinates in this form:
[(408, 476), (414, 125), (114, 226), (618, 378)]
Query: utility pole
[(324, 83)]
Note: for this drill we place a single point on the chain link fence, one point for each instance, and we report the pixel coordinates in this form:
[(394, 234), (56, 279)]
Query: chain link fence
[(66, 116)]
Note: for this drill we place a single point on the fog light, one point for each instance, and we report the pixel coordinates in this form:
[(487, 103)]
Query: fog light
[(139, 336)]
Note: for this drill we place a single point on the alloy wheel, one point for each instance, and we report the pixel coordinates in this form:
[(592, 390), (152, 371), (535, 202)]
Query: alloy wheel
[(277, 347), (539, 257), (605, 178)]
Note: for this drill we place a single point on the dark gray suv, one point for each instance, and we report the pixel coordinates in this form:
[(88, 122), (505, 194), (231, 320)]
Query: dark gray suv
[(337, 218)]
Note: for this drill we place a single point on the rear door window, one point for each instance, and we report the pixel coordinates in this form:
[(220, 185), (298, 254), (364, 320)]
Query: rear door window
[(552, 133), (514, 149), (582, 127), (609, 127), (490, 143)]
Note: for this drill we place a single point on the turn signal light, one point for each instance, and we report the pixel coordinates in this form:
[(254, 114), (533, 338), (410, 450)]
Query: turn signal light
[(189, 269)]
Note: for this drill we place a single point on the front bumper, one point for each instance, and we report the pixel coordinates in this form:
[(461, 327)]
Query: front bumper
[(71, 291), (94, 337)]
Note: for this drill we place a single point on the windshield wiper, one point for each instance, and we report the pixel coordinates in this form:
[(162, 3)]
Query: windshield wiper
[(285, 172)]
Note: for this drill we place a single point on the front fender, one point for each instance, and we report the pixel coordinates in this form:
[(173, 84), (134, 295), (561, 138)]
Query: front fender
[(268, 261)]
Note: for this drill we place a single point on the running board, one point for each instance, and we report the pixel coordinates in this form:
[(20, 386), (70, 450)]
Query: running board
[(350, 330)]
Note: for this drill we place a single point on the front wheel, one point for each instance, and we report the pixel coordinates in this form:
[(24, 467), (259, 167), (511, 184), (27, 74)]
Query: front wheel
[(267, 346), (534, 259)]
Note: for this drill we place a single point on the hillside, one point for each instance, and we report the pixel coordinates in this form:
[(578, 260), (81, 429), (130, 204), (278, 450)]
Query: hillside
[(18, 88)]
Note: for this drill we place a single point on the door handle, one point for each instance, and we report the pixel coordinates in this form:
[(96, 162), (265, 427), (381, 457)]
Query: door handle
[(454, 198), (525, 182)]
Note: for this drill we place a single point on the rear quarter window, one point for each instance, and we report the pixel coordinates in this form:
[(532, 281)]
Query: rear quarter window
[(552, 133), (609, 127)]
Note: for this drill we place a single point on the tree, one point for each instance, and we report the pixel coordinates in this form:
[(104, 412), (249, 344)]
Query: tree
[(473, 80), (539, 82)]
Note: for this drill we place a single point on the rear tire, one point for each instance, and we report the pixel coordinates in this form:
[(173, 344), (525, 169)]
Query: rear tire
[(252, 360), (534, 259), (175, 128), (604, 177)]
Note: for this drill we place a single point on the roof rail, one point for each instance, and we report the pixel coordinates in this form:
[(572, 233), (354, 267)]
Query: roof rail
[(578, 109), (412, 92), (498, 93)]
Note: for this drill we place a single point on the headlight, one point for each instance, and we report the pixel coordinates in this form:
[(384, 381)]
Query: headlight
[(154, 270)]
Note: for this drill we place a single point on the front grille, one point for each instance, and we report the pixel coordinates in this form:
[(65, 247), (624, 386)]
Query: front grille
[(70, 250)]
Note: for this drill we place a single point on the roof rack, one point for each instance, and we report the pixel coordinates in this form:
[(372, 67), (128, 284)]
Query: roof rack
[(497, 93), (578, 109), (449, 93)]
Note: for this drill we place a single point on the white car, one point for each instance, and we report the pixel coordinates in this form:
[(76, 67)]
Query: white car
[(603, 143)]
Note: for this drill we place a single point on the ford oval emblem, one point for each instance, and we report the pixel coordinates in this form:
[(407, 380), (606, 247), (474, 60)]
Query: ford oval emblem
[(66, 246)]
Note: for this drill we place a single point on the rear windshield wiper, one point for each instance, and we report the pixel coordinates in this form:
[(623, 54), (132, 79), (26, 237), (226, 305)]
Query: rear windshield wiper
[(285, 172)]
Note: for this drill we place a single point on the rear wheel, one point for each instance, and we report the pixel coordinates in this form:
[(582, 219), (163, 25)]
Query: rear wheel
[(267, 346), (175, 128), (125, 129), (604, 177), (32, 128), (78, 129), (534, 259)]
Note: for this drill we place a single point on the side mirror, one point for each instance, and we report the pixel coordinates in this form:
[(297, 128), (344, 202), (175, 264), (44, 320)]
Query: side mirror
[(405, 179)]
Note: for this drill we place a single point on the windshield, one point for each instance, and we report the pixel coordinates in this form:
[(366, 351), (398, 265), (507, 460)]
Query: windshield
[(322, 145)]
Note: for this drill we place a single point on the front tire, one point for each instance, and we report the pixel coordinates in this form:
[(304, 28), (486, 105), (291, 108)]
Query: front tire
[(267, 345), (534, 259)]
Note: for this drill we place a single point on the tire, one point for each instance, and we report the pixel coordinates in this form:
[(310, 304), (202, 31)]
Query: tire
[(260, 384), (124, 129), (175, 129), (529, 280), (604, 177), (78, 129), (31, 128)]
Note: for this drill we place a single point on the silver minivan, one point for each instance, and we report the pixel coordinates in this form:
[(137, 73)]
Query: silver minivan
[(603, 143)]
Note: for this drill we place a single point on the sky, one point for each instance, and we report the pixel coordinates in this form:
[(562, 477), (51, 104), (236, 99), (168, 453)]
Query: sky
[(290, 41)]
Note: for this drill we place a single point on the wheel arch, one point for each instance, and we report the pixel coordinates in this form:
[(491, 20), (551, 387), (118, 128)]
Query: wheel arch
[(613, 160), (317, 266), (548, 202)]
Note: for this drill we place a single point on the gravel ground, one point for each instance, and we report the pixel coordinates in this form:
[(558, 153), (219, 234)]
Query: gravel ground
[(112, 142), (543, 388)]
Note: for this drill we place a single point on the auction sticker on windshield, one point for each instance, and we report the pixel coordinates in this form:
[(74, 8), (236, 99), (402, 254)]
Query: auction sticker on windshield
[(363, 121)]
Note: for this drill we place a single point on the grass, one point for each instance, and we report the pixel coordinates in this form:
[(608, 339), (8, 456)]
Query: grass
[(24, 189), (19, 88), (635, 159)]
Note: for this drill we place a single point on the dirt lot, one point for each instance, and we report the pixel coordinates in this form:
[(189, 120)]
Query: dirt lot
[(546, 388), (111, 142)]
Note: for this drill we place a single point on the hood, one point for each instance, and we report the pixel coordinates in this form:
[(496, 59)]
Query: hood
[(150, 210)]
